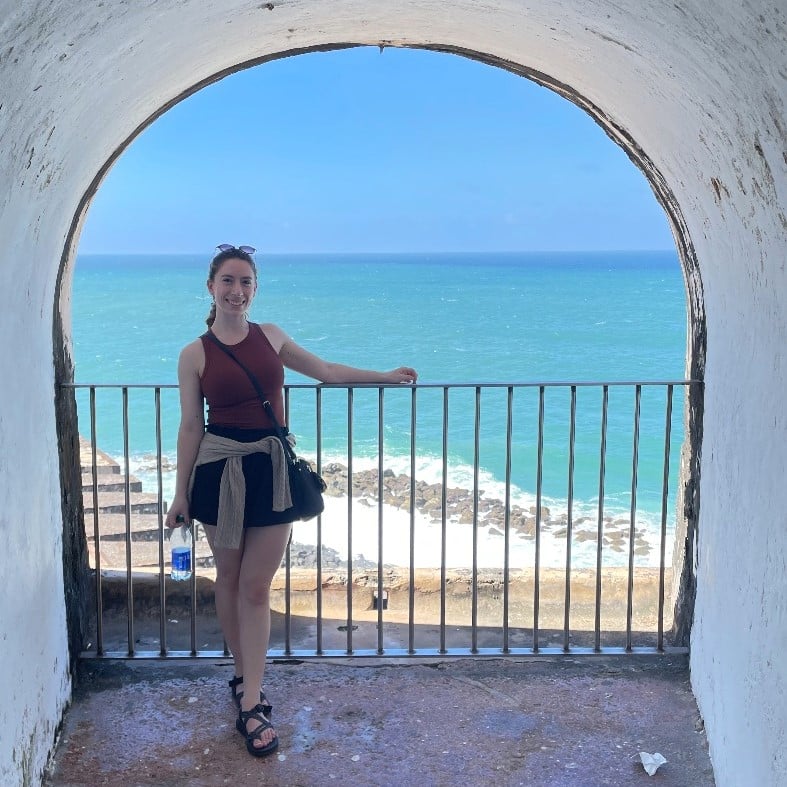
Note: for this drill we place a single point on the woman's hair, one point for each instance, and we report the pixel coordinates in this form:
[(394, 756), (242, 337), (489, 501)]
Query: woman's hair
[(215, 265)]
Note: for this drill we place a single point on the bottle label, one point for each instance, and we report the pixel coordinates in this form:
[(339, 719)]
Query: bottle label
[(181, 561)]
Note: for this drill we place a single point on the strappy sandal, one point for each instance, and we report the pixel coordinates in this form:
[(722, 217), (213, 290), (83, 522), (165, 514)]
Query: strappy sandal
[(236, 695), (234, 683), (256, 713)]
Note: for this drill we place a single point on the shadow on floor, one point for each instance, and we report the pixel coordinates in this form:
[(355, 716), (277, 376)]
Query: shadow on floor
[(535, 721)]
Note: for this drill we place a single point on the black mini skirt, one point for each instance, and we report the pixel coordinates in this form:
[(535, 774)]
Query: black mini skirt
[(258, 472)]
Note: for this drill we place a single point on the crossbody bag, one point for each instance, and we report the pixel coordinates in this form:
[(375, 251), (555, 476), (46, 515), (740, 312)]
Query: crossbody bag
[(306, 485)]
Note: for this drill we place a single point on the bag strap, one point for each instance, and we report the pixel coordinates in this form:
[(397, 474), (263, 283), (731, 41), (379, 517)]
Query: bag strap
[(267, 406)]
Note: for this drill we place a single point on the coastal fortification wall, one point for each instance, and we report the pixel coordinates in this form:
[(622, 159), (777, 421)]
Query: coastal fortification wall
[(695, 92)]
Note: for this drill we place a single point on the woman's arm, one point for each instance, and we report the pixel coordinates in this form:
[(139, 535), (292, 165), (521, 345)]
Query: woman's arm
[(293, 356), (192, 427)]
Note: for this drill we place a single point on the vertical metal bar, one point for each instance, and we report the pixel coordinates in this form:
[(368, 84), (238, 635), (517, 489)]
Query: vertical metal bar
[(633, 515), (193, 589), (162, 590), (127, 508), (411, 593), (507, 518), (664, 496), (476, 463), (444, 530), (539, 487), (572, 432), (600, 526), (96, 530), (287, 561), (287, 597), (350, 520), (319, 525), (380, 494)]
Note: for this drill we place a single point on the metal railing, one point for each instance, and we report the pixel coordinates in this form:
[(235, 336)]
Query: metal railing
[(544, 442)]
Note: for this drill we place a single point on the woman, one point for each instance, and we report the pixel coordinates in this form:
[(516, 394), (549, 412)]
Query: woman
[(245, 564)]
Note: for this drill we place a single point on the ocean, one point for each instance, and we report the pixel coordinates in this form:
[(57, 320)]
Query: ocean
[(479, 318)]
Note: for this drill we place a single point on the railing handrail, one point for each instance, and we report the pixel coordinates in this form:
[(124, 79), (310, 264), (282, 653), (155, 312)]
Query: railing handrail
[(344, 386)]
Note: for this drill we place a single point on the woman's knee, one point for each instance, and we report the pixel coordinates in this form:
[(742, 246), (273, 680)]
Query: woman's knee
[(255, 589), (227, 578)]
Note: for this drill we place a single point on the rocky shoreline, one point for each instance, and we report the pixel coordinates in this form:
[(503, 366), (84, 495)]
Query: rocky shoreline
[(459, 506)]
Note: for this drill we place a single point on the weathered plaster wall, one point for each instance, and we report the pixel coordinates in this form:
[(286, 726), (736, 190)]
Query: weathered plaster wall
[(698, 86)]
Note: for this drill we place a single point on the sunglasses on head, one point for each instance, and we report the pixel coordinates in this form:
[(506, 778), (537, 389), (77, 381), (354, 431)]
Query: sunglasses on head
[(230, 247)]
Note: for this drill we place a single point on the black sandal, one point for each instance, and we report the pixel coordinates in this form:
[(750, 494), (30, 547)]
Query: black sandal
[(236, 695), (234, 683), (258, 714)]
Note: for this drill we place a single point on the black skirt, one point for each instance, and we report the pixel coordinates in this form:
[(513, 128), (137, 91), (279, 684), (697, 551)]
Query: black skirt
[(258, 472)]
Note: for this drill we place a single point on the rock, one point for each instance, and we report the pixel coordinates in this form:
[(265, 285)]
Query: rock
[(524, 526), (430, 492)]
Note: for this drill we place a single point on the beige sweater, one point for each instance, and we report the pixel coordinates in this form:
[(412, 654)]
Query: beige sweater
[(232, 491)]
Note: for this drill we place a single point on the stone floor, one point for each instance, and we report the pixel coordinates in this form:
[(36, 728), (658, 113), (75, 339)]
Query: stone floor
[(536, 721)]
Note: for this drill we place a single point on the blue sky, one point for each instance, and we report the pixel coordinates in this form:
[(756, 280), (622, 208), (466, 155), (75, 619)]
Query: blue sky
[(358, 150)]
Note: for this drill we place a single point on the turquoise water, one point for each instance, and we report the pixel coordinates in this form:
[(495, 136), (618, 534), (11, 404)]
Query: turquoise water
[(457, 318)]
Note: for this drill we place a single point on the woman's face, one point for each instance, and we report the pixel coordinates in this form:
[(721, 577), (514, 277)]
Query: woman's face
[(234, 286)]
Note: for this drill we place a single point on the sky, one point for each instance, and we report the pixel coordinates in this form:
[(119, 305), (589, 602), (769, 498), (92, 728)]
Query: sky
[(366, 151)]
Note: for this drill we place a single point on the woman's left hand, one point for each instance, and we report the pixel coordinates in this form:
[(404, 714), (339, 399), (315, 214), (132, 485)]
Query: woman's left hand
[(404, 374)]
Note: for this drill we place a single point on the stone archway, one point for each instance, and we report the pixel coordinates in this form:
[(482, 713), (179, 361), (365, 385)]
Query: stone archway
[(692, 91), (689, 493)]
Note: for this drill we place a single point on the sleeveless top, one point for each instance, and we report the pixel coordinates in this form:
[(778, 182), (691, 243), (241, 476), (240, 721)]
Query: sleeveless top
[(231, 397)]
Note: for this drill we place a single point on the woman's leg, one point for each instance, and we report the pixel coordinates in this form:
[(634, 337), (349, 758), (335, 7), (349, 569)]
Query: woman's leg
[(262, 553), (228, 565)]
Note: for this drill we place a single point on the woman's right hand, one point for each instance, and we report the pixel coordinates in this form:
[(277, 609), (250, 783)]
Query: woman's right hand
[(178, 508)]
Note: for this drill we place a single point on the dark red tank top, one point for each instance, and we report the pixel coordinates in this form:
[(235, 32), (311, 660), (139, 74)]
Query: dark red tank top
[(232, 399)]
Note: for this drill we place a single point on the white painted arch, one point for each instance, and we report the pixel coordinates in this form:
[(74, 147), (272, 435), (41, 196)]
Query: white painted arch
[(698, 90)]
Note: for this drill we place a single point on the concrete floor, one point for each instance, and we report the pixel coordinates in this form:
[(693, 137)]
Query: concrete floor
[(537, 721)]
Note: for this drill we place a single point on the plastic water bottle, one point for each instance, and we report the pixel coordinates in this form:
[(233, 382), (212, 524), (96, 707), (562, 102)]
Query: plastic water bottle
[(180, 543)]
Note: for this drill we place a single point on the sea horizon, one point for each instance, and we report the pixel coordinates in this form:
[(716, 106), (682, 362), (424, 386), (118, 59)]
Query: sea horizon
[(262, 253), (459, 318)]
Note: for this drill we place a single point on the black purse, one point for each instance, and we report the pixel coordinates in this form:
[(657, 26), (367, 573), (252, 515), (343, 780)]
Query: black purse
[(306, 485)]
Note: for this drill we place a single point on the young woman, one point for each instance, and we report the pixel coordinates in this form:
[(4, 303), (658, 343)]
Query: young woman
[(248, 555)]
